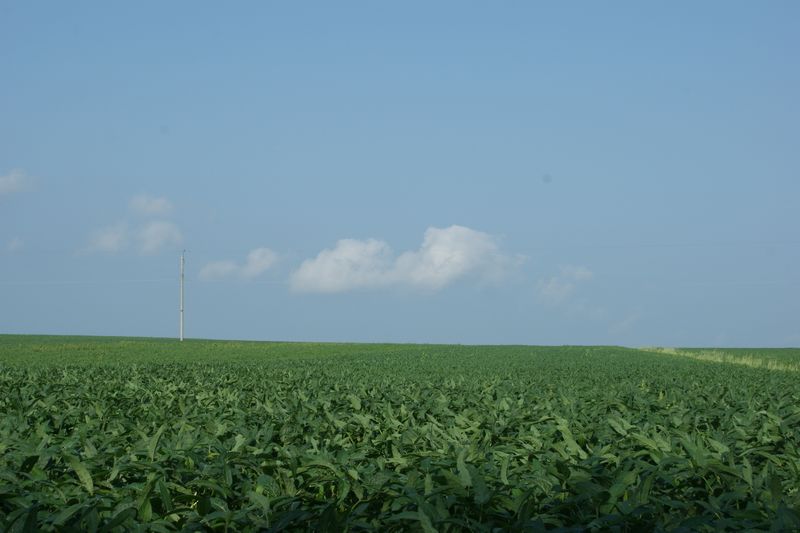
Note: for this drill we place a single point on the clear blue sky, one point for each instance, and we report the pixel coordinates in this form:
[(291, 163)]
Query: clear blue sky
[(495, 172)]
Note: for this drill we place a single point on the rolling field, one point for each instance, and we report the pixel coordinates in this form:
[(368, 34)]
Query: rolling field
[(101, 434)]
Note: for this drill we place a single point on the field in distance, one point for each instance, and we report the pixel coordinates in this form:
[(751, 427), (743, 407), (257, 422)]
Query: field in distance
[(101, 434)]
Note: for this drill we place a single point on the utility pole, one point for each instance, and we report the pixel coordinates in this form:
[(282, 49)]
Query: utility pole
[(183, 260)]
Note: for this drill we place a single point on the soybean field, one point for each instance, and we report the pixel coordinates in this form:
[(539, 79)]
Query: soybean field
[(127, 434)]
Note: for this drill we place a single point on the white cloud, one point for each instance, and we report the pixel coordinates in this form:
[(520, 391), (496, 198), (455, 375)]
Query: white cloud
[(446, 254), (258, 261), (351, 264), (146, 205), (558, 289), (577, 273), (109, 239), (154, 236), (15, 181), (149, 237)]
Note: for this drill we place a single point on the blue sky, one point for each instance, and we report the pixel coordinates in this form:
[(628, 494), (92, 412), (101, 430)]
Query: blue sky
[(517, 172)]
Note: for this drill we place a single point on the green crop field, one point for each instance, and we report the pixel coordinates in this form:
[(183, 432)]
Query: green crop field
[(102, 434)]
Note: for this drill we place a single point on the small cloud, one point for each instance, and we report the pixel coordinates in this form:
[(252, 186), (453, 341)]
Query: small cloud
[(258, 261), (14, 244), (351, 264), (577, 273), (146, 205), (149, 237), (555, 289), (446, 255), (109, 239), (15, 181), (154, 236), (558, 289)]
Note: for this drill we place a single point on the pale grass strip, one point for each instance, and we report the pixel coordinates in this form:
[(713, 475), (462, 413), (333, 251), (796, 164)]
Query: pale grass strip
[(718, 356)]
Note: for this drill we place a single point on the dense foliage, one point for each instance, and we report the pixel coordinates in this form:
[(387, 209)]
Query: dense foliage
[(108, 434)]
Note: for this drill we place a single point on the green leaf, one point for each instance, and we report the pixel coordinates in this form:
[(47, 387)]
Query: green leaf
[(151, 446), (119, 519), (145, 510), (163, 492), (425, 522), (786, 519), (616, 425), (463, 471), (83, 474), (65, 514), (239, 442), (482, 492), (355, 402), (261, 501), (775, 487), (31, 523), (504, 470)]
